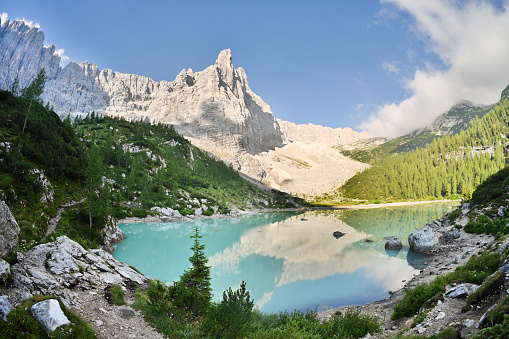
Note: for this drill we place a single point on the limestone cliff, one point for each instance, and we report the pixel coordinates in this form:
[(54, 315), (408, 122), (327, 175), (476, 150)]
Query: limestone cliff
[(214, 108)]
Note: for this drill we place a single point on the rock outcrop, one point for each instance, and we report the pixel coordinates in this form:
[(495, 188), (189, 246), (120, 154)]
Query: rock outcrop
[(58, 267), (111, 235), (215, 105), (9, 230)]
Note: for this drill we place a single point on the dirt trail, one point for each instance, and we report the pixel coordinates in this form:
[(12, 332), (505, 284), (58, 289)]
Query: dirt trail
[(52, 224)]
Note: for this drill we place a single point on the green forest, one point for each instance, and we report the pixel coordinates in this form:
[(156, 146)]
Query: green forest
[(449, 167)]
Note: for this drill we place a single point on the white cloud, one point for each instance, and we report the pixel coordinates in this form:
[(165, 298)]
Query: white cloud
[(30, 23), (390, 67), (4, 16), (471, 39), (60, 52)]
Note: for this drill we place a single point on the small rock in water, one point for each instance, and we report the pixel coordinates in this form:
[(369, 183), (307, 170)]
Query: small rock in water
[(338, 234)]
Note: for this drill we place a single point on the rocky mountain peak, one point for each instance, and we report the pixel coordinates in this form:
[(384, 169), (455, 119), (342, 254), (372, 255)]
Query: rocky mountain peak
[(505, 93), (225, 68)]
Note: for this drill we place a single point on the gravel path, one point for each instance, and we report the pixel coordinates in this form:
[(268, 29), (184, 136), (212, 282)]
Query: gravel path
[(111, 321)]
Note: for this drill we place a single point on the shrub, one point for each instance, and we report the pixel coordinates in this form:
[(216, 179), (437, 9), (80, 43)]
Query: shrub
[(352, 324), (497, 331), (289, 330), (415, 298), (115, 294), (230, 317)]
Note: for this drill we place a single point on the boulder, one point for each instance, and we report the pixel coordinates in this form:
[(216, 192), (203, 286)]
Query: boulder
[(458, 258), (60, 266), (49, 314), (451, 233), (5, 270), (500, 211), (5, 307), (485, 319), (423, 240), (457, 292), (9, 230), (393, 244)]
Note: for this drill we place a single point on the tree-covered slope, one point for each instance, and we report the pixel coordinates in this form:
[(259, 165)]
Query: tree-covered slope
[(447, 167), (107, 167), (451, 122)]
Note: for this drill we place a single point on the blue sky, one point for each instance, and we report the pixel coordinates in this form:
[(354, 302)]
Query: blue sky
[(386, 66)]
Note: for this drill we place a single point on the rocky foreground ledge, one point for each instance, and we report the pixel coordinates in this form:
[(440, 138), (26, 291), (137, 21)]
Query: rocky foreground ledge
[(80, 278)]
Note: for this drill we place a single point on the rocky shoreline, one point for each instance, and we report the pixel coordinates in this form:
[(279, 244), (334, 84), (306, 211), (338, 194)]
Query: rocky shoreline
[(446, 256)]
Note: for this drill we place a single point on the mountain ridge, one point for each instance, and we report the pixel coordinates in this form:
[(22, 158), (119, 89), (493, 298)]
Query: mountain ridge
[(215, 108)]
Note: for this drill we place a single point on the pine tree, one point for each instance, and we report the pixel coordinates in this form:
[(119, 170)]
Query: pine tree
[(192, 293), (36, 87), (93, 175)]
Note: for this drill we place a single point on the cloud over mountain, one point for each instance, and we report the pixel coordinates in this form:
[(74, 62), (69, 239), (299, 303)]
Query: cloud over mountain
[(471, 40)]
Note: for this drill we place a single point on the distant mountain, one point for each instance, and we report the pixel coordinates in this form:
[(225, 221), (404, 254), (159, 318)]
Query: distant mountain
[(214, 108), (451, 122)]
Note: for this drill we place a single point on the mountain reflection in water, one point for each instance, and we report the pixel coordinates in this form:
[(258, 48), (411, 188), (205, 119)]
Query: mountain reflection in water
[(288, 263)]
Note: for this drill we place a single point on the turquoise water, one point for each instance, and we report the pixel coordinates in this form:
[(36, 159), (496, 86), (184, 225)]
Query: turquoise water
[(289, 263)]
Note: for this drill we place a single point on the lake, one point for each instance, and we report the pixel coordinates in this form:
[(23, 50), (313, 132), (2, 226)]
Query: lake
[(289, 260)]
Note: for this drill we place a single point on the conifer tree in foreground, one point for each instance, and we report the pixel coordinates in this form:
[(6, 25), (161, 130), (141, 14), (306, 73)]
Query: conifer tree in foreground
[(193, 292)]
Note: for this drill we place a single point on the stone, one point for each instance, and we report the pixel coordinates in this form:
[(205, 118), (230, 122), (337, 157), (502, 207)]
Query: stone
[(9, 230), (5, 307), (485, 319), (441, 315), (468, 323), (5, 270), (457, 292), (393, 244), (458, 258), (500, 211), (49, 314), (451, 233), (423, 240)]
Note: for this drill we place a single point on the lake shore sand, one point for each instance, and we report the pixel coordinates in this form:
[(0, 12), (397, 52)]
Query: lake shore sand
[(239, 213)]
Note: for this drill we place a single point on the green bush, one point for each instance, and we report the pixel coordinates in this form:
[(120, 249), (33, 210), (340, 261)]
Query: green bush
[(208, 212), (289, 330), (352, 324), (415, 298), (229, 318), (496, 332), (454, 215), (115, 294)]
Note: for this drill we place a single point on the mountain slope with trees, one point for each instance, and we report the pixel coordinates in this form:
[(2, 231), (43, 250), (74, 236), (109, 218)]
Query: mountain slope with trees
[(450, 166)]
